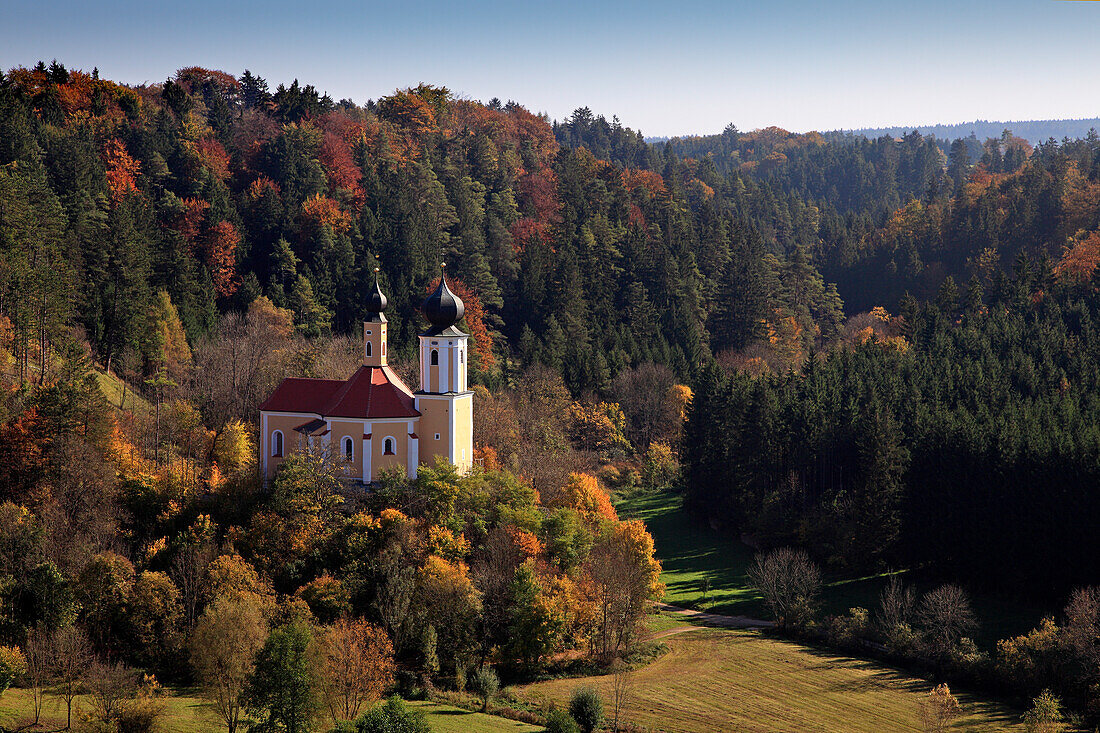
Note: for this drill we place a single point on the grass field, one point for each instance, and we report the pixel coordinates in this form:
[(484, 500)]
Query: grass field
[(449, 719), (112, 388), (188, 714), (725, 680), (689, 551)]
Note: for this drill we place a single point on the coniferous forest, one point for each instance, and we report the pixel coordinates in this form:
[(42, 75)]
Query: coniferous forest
[(884, 351)]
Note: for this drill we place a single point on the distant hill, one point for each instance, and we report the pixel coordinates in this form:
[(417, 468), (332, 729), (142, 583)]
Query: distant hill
[(1034, 131)]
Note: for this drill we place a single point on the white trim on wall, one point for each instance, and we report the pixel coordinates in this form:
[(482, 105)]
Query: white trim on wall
[(263, 441), (367, 477)]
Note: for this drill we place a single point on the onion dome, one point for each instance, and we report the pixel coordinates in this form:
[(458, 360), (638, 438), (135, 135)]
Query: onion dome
[(442, 308), (376, 301)]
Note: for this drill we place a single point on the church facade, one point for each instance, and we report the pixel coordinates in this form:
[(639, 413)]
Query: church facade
[(372, 422)]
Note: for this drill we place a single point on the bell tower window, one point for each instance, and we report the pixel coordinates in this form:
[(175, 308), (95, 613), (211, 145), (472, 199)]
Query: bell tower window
[(435, 357), (369, 345)]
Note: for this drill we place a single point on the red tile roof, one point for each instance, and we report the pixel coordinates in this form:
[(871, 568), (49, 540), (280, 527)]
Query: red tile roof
[(372, 392), (301, 395)]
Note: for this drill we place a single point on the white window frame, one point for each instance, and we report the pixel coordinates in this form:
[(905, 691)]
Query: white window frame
[(277, 444)]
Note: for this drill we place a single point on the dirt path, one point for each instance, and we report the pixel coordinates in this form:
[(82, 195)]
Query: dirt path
[(702, 619)]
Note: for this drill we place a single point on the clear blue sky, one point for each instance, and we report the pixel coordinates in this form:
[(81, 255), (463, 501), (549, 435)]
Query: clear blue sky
[(665, 68)]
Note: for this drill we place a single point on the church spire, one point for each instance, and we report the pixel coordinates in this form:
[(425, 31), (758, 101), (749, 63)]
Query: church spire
[(376, 300), (374, 327), (442, 309)]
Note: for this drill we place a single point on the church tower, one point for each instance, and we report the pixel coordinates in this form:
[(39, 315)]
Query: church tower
[(444, 402), (374, 328)]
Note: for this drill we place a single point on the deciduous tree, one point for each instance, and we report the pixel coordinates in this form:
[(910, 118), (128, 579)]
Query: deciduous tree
[(224, 646)]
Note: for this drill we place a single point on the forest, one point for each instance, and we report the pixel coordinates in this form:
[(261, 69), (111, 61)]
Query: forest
[(880, 350)]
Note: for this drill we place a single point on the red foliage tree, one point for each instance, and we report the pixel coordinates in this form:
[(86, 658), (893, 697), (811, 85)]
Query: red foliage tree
[(21, 444), (189, 223), (192, 78), (526, 232), (342, 171), (213, 157)]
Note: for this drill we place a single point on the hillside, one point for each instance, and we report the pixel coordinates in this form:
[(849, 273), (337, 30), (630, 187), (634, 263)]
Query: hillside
[(881, 353)]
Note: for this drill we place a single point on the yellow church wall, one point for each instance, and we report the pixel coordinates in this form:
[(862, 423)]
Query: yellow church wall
[(380, 461), (286, 424), (435, 417), (354, 430), (464, 431)]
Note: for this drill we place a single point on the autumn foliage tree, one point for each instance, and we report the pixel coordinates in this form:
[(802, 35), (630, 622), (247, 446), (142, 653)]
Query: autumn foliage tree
[(623, 580), (357, 667), (221, 257)]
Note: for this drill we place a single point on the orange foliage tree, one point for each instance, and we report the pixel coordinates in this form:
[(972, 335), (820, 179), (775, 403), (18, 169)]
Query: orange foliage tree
[(192, 78), (1081, 256), (213, 157), (623, 579), (583, 494), (221, 257), (190, 219), (122, 170), (525, 543), (475, 324), (650, 182), (408, 110), (324, 212)]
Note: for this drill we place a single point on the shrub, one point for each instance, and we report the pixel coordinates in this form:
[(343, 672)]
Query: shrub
[(12, 664), (485, 684), (847, 631), (586, 707), (559, 721), (392, 716), (1045, 715), (939, 709)]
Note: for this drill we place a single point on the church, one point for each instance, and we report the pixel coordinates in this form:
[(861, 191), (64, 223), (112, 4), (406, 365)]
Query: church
[(372, 422)]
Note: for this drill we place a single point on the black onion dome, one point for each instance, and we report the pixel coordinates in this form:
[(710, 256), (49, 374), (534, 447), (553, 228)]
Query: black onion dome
[(442, 308), (376, 301)]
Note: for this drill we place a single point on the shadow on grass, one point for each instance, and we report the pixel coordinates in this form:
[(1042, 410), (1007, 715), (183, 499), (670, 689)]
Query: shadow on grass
[(883, 675), (691, 552)]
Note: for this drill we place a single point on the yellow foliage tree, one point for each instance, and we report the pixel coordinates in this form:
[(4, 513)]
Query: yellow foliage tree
[(583, 494), (234, 448)]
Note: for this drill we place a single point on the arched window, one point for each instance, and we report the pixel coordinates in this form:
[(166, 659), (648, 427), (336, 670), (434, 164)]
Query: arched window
[(277, 443), (368, 348), (383, 348), (435, 358), (387, 447), (349, 448), (461, 357)]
